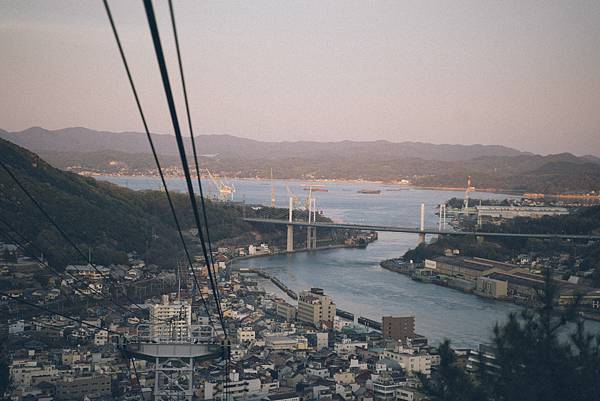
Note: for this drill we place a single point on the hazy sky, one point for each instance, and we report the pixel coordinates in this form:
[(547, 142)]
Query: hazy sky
[(520, 73)]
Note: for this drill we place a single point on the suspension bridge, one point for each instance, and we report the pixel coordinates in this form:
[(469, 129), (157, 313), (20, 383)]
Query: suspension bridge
[(311, 225)]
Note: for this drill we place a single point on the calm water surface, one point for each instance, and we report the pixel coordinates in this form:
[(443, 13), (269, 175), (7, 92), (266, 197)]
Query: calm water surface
[(353, 277)]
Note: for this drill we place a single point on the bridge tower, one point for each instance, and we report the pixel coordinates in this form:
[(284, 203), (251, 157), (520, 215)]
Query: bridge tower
[(290, 228), (442, 217), (311, 208), (309, 228), (272, 190), (311, 240), (422, 225)]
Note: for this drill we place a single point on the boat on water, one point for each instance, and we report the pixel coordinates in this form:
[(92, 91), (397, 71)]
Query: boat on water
[(369, 191), (314, 188)]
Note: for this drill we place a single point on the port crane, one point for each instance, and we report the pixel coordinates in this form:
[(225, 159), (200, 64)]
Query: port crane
[(225, 190), (465, 208), (295, 199), (272, 190)]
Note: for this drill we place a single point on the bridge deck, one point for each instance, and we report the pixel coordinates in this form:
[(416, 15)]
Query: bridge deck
[(396, 229)]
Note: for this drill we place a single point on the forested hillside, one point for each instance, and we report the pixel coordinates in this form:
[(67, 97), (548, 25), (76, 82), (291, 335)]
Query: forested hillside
[(103, 217)]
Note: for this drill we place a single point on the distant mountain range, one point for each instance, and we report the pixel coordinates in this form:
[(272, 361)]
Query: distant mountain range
[(83, 140), (424, 164)]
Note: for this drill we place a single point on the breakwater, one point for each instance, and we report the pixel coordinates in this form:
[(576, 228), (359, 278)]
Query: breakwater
[(290, 293)]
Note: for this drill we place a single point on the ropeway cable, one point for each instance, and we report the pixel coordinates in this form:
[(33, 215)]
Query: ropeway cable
[(155, 155), (181, 147)]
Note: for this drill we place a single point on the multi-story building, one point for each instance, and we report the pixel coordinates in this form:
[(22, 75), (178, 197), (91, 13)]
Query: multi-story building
[(409, 361), (385, 387), (245, 334), (315, 307), (486, 356), (510, 212), (467, 268), (317, 369), (100, 338), (76, 388), (170, 320), (491, 288), (23, 372), (285, 343), (236, 389), (397, 327), (286, 311)]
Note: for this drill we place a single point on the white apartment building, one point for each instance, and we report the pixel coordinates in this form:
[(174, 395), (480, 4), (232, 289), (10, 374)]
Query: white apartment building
[(170, 321), (24, 371), (410, 362), (236, 389)]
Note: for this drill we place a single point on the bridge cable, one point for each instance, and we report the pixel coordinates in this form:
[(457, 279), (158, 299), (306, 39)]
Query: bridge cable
[(156, 159)]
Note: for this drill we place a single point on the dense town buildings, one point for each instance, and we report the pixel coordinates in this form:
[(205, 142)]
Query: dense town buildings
[(281, 348)]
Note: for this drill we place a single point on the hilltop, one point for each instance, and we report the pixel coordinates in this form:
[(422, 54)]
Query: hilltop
[(84, 140)]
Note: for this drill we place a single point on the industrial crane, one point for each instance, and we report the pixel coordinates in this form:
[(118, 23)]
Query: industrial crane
[(467, 191), (225, 191), (272, 190), (295, 199)]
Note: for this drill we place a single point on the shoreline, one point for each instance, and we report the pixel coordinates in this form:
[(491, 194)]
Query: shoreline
[(395, 183), (277, 253), (385, 264), (330, 180)]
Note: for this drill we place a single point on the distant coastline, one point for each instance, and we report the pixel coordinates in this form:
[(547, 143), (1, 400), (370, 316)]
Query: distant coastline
[(321, 180)]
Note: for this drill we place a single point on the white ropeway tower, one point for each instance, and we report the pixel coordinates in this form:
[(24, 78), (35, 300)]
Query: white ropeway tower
[(173, 345)]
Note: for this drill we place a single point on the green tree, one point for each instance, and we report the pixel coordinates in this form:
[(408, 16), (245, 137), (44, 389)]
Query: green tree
[(450, 382), (532, 362)]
